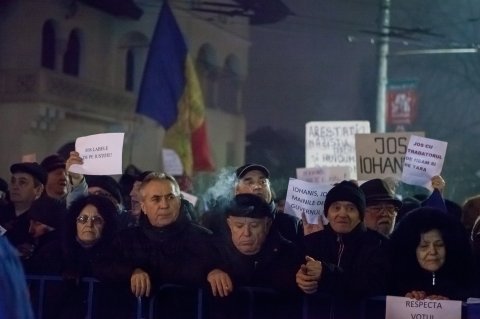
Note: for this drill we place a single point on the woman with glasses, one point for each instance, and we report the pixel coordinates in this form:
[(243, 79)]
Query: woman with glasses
[(88, 229)]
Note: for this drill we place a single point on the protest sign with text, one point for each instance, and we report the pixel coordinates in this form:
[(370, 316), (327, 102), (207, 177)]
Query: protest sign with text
[(307, 198), (423, 160), (333, 143), (402, 307), (324, 175), (101, 154), (381, 155)]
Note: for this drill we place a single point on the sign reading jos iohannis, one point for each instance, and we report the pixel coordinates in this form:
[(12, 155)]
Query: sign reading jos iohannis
[(381, 155)]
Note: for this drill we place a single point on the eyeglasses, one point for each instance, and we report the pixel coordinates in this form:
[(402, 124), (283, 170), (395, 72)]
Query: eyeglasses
[(377, 209), (96, 220)]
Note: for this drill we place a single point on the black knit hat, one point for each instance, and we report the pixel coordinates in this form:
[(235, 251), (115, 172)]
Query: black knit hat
[(249, 205), (33, 169), (376, 190), (48, 211), (52, 162), (349, 192)]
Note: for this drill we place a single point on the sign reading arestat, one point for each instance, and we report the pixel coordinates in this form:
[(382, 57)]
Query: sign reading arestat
[(381, 155), (306, 198), (101, 154), (333, 143), (401, 308), (423, 160)]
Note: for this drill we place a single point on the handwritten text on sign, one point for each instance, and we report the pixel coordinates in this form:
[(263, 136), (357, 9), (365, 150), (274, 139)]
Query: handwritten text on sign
[(423, 160), (306, 198), (381, 155), (333, 143), (101, 154)]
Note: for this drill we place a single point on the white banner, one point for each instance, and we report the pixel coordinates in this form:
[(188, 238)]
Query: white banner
[(324, 175)]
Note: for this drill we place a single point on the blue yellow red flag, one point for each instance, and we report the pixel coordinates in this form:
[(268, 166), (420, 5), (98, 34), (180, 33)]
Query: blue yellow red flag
[(170, 94)]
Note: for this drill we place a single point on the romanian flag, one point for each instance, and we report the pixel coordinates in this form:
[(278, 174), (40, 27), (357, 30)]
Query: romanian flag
[(171, 95)]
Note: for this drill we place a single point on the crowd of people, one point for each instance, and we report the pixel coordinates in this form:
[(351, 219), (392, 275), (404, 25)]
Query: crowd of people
[(135, 240)]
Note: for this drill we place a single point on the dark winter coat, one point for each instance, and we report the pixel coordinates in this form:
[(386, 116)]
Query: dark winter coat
[(453, 279), (354, 264), (180, 253)]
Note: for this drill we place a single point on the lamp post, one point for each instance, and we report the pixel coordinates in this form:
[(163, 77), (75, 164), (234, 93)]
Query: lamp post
[(383, 48)]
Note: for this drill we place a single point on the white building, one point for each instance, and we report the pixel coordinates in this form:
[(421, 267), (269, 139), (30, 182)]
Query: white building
[(68, 69)]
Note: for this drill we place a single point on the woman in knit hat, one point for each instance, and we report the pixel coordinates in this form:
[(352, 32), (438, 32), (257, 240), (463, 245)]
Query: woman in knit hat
[(345, 261)]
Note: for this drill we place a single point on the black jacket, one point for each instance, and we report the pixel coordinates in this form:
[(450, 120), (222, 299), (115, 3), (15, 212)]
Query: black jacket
[(180, 253), (273, 267), (354, 264)]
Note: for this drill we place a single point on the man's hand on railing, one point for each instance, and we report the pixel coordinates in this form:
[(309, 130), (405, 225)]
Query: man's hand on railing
[(140, 283), (220, 282)]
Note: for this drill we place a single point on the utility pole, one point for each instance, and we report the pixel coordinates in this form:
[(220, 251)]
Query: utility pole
[(383, 48)]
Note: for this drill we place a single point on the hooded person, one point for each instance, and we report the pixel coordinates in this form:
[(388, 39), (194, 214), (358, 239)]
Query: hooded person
[(381, 206), (430, 256), (346, 261)]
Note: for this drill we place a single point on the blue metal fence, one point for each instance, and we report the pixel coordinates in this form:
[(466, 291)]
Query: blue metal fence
[(147, 308)]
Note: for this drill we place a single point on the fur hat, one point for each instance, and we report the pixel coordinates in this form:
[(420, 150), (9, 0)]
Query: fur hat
[(33, 169), (107, 183), (48, 211), (349, 192), (52, 162), (249, 205)]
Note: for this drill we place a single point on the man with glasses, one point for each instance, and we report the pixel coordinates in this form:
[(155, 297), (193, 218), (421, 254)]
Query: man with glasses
[(382, 206)]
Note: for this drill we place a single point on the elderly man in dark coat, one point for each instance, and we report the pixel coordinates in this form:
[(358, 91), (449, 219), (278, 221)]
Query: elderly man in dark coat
[(166, 248), (254, 255), (346, 261)]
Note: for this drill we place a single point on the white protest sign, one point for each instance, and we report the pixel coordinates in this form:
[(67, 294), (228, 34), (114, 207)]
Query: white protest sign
[(305, 197), (402, 307), (171, 162), (333, 143), (324, 175), (381, 155), (101, 154), (423, 160), (189, 197)]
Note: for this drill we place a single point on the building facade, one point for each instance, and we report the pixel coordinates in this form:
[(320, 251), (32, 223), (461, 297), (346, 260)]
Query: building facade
[(68, 69)]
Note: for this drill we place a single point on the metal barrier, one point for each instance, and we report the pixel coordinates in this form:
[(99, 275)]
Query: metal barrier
[(145, 308)]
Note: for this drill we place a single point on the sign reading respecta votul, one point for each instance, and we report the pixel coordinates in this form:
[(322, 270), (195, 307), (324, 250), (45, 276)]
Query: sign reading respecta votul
[(381, 155), (332, 143)]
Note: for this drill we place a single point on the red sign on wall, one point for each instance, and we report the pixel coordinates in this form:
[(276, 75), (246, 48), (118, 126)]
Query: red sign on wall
[(401, 103)]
